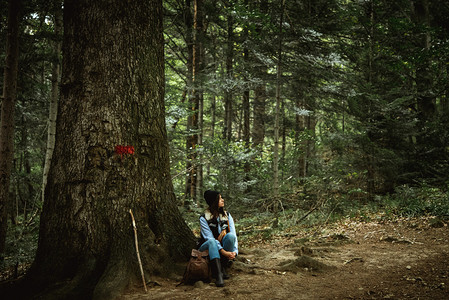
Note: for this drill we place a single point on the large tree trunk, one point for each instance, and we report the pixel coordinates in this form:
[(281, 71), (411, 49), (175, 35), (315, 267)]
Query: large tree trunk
[(7, 116), (53, 110), (112, 93)]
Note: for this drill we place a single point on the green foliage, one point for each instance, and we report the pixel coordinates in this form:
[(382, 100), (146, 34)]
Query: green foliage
[(419, 201), (242, 174)]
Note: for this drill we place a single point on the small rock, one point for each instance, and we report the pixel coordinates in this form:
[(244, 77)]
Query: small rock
[(389, 239), (199, 284), (409, 267), (359, 259)]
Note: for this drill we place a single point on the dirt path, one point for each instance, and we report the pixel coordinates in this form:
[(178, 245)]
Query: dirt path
[(407, 259)]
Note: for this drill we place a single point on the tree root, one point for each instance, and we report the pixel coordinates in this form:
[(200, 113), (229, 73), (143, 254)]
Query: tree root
[(115, 280)]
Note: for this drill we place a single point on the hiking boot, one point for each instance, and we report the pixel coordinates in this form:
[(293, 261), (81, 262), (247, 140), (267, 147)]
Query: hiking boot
[(224, 267), (217, 272)]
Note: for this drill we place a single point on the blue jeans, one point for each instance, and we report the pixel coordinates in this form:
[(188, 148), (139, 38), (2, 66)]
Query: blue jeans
[(228, 243)]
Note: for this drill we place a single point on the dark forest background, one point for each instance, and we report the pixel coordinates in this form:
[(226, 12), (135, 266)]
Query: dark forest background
[(297, 111)]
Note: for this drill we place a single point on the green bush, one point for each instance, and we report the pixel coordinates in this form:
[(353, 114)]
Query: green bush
[(417, 201)]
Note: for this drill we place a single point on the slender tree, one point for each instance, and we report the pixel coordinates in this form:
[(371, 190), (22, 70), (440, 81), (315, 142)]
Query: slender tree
[(193, 101), (245, 96), (7, 115), (228, 93), (278, 108), (55, 81), (425, 99), (300, 133), (260, 90), (260, 99), (111, 156), (198, 92)]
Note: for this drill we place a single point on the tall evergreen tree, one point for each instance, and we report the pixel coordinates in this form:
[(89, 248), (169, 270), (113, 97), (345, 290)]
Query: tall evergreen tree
[(111, 156)]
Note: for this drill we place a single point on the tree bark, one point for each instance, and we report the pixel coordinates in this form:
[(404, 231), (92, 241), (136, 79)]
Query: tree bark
[(7, 115), (53, 110), (112, 94)]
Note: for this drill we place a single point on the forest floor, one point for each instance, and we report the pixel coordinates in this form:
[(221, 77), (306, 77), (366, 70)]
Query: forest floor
[(352, 259)]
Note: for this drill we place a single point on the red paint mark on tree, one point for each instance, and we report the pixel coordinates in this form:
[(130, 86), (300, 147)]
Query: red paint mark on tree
[(124, 150)]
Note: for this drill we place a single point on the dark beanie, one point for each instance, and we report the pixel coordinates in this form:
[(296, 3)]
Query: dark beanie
[(211, 197)]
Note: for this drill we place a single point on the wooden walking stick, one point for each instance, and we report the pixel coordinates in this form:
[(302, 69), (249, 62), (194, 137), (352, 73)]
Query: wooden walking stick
[(137, 251)]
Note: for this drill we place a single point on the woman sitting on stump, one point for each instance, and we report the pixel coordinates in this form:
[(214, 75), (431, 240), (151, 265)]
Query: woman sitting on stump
[(218, 235)]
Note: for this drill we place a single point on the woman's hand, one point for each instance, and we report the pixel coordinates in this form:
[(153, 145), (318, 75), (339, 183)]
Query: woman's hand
[(227, 254)]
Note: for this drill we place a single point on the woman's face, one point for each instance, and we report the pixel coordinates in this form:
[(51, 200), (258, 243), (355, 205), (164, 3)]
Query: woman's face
[(220, 201)]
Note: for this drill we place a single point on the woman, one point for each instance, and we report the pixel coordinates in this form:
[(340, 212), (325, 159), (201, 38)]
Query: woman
[(219, 236)]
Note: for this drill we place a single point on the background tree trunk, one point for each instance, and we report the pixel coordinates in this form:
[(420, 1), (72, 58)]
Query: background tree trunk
[(260, 93), (7, 116), (53, 110), (213, 101), (299, 137), (228, 118), (22, 164), (277, 115), (260, 98), (245, 97), (371, 180), (192, 119), (198, 60), (113, 96), (425, 99)]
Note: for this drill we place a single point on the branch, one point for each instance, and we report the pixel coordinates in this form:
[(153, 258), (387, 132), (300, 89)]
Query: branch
[(137, 250)]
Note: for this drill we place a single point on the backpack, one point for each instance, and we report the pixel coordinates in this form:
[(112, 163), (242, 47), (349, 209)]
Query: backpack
[(197, 268)]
